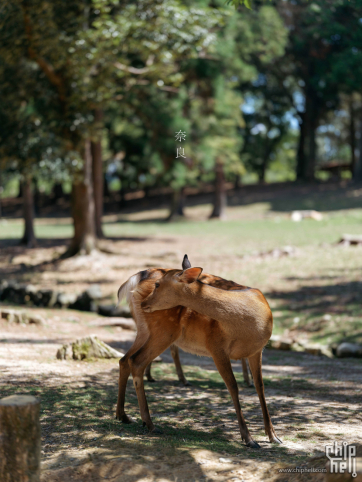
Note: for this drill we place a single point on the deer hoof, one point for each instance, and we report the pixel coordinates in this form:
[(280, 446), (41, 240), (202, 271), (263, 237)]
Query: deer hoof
[(276, 440), (124, 418), (152, 380), (253, 445)]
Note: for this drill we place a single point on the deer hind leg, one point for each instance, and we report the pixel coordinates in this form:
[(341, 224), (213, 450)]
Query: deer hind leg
[(176, 359), (124, 373), (148, 373), (223, 364), (255, 366), (155, 345), (247, 380)]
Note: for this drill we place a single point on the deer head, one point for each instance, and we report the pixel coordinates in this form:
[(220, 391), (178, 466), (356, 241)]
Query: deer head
[(170, 289)]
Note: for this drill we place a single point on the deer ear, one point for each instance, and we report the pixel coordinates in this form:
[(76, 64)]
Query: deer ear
[(190, 275), (186, 263)]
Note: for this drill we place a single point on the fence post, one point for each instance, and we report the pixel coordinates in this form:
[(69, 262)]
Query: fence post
[(19, 439)]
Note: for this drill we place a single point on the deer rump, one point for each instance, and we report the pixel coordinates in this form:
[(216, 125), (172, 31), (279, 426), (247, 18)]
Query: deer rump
[(193, 335)]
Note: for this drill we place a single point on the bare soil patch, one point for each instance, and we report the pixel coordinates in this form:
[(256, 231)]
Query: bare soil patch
[(313, 401)]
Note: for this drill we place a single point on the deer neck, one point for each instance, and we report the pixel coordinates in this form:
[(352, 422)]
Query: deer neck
[(209, 301)]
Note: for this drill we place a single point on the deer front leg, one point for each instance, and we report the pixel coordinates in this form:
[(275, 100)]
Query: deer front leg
[(255, 366), (155, 345), (124, 373), (223, 364), (176, 359)]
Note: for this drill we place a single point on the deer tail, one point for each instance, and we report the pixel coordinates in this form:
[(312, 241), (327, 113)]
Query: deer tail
[(125, 291)]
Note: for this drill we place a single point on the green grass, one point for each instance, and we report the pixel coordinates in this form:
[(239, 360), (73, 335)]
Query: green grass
[(236, 236)]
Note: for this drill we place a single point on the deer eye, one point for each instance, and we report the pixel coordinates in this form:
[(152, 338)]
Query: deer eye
[(157, 285)]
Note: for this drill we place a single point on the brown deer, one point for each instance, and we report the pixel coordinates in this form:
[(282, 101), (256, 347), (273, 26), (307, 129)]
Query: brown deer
[(213, 281), (227, 324)]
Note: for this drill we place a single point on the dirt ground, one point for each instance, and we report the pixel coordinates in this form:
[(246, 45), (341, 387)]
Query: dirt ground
[(313, 401)]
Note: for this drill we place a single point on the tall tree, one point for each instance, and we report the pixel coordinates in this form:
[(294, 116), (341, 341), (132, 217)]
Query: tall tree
[(97, 173), (324, 58), (23, 139), (88, 53)]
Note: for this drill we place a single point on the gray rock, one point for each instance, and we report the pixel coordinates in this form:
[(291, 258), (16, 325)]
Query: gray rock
[(94, 292), (125, 323), (29, 294), (66, 299), (111, 310), (14, 292), (86, 300), (122, 311), (32, 295), (45, 297), (313, 349), (88, 347), (8, 315), (277, 343), (13, 316), (351, 240), (345, 350), (65, 352), (36, 319)]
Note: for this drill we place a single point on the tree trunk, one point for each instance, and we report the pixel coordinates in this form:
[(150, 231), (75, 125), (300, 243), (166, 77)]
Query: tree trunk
[(220, 193), (238, 183), (98, 186), (307, 149), (1, 191), (122, 200), (57, 192), (357, 173), (352, 135), (261, 174), (97, 165), (84, 240), (312, 152), (177, 204), (106, 192), (311, 147), (20, 193), (300, 152), (20, 442), (28, 212), (264, 164), (36, 197)]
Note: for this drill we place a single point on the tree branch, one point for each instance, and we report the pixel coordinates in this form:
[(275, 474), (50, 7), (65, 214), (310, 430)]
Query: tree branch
[(48, 69)]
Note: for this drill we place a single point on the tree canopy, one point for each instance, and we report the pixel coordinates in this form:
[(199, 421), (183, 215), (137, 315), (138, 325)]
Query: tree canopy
[(103, 86)]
